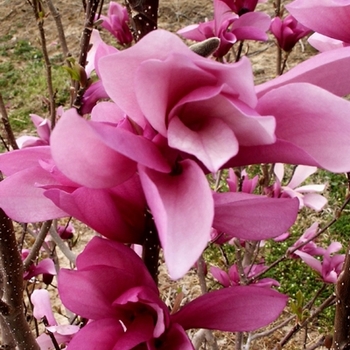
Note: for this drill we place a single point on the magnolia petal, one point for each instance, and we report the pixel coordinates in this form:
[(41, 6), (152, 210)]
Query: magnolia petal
[(175, 338), (220, 275), (234, 309), (45, 266), (214, 144), (87, 161), (324, 43), (139, 331), (172, 79), (101, 334), (135, 147), (317, 124), (311, 129), (253, 217), (42, 306), (17, 160), (124, 65), (310, 260), (107, 112), (183, 218), (327, 17), (104, 210), (104, 252), (96, 301), (325, 70), (314, 201), (310, 188), (19, 191), (300, 174)]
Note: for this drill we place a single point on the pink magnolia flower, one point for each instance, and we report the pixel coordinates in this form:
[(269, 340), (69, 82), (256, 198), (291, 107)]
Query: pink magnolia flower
[(310, 248), (116, 22), (306, 194), (295, 99), (331, 266), (42, 307), (248, 185), (232, 278), (185, 117), (327, 17), (288, 32), (129, 312), (32, 175), (229, 27), (96, 90), (43, 128), (43, 267), (66, 231)]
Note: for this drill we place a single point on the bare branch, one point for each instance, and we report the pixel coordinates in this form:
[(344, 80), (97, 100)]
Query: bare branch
[(11, 306), (5, 120)]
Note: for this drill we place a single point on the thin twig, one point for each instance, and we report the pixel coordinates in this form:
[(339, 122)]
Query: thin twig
[(5, 120), (61, 36), (90, 12), (39, 16), (63, 247), (34, 252)]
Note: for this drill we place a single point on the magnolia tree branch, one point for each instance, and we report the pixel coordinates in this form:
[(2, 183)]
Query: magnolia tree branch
[(341, 338), (329, 301), (61, 37), (150, 247), (11, 140), (11, 303), (39, 16), (34, 252), (91, 8), (62, 246)]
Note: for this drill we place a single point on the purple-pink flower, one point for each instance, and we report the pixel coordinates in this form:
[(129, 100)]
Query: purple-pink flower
[(288, 32), (310, 248), (229, 27), (122, 304), (43, 128), (307, 194), (331, 265), (116, 22), (42, 308), (233, 278), (43, 267)]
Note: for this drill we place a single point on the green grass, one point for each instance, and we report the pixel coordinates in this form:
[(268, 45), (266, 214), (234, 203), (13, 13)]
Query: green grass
[(23, 81)]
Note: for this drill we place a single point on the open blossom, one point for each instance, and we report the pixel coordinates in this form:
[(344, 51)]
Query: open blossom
[(248, 185), (42, 308), (288, 32), (43, 127), (328, 18), (229, 27), (331, 265), (116, 22), (310, 248), (232, 277), (306, 194), (129, 312)]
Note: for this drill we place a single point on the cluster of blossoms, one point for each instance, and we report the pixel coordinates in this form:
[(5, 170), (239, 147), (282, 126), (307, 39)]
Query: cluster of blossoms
[(172, 118)]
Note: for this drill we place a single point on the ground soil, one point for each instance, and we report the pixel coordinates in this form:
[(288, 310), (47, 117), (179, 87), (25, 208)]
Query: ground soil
[(17, 19)]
